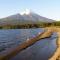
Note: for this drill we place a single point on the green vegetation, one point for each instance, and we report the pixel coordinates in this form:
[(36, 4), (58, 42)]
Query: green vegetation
[(37, 25)]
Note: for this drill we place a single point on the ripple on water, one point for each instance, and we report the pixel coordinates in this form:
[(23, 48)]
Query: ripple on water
[(13, 37)]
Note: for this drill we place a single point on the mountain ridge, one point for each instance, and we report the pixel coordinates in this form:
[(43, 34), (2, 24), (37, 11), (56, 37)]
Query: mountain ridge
[(26, 17)]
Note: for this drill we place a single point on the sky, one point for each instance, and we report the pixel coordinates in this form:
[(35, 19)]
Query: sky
[(46, 8)]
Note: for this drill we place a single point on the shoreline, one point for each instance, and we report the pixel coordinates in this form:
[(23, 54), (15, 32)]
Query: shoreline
[(56, 54), (24, 45), (48, 31)]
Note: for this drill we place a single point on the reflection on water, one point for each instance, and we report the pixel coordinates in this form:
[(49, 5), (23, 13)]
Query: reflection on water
[(41, 50), (13, 37)]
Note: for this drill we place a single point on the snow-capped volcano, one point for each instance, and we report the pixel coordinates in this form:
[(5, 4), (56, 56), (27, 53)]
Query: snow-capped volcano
[(25, 17), (29, 15), (27, 12)]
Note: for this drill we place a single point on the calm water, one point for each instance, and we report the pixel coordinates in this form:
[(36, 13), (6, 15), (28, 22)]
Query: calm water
[(41, 50), (13, 37)]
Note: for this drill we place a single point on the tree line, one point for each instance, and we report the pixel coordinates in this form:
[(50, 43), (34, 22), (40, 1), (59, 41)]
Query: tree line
[(37, 25)]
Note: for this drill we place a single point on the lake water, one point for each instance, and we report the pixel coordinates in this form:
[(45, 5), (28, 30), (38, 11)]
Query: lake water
[(41, 50)]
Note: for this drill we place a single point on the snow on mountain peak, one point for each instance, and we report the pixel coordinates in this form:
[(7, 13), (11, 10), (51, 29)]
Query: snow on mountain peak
[(27, 12)]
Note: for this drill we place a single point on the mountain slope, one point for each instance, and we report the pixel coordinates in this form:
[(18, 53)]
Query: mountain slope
[(27, 17)]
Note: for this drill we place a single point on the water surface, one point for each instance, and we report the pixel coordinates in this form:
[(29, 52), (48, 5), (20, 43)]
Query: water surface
[(13, 37), (41, 50)]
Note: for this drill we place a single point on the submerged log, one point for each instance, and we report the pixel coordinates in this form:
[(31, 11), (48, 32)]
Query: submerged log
[(11, 53)]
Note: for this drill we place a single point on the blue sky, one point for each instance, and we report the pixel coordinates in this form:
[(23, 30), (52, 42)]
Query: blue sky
[(46, 8)]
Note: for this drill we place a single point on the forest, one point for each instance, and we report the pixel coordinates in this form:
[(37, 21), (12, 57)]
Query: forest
[(27, 26)]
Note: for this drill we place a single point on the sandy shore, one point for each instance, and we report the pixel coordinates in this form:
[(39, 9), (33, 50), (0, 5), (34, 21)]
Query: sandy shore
[(56, 55)]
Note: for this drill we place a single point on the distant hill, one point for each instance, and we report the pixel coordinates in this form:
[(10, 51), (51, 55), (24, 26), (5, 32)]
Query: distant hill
[(24, 18)]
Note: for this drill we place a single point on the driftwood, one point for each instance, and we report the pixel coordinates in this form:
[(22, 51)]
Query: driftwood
[(11, 53)]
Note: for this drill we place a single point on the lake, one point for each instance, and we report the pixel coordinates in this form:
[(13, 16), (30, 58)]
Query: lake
[(41, 50)]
